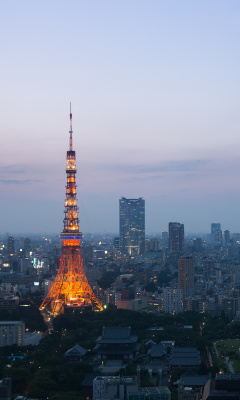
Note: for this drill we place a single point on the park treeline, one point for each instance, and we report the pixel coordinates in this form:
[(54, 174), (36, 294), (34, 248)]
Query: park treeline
[(45, 373)]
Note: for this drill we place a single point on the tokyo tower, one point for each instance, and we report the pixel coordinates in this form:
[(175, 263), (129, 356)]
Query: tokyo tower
[(70, 288)]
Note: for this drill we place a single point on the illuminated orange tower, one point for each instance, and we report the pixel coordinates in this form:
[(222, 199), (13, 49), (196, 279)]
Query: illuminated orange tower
[(70, 288)]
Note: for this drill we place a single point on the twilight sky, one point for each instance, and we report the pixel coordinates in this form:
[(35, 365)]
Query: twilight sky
[(155, 94)]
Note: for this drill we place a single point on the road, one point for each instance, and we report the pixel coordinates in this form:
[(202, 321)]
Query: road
[(229, 363)]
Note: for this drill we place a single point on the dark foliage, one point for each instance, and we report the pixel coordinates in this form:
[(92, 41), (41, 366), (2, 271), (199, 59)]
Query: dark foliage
[(44, 372)]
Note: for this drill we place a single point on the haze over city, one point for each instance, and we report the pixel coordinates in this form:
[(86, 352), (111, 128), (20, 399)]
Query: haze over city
[(155, 94)]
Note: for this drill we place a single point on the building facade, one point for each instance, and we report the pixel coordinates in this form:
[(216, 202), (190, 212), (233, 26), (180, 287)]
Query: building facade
[(5, 389), (126, 388), (186, 276), (10, 245), (12, 332), (132, 226), (216, 232), (176, 237), (172, 300), (226, 237), (113, 387)]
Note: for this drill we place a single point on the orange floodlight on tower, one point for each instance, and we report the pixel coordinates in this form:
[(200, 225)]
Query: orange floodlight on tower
[(71, 287)]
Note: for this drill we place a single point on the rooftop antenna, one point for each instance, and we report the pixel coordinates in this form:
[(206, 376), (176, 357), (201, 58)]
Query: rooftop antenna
[(70, 127)]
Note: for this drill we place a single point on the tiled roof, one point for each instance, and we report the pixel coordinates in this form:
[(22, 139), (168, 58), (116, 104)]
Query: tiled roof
[(119, 332), (116, 335), (76, 351)]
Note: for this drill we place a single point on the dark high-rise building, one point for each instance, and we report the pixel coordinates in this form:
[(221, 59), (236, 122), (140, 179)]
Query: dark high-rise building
[(165, 235), (132, 226), (197, 245), (226, 236), (186, 276), (26, 247), (176, 237), (117, 243), (216, 232), (10, 245)]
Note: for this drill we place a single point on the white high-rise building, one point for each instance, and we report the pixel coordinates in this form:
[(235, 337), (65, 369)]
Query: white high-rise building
[(12, 332), (172, 300)]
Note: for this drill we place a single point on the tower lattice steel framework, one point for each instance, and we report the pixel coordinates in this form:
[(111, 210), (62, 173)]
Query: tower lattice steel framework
[(71, 287)]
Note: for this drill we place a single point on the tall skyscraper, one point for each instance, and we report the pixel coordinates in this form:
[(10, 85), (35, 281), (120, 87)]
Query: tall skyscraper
[(165, 235), (26, 246), (132, 226), (186, 276), (176, 237), (216, 232), (70, 288), (10, 245), (226, 236)]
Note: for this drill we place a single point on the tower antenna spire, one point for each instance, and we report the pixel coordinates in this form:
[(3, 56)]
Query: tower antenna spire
[(70, 147), (71, 289)]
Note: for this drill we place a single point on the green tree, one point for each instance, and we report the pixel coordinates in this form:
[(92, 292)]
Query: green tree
[(20, 378), (41, 386), (67, 395)]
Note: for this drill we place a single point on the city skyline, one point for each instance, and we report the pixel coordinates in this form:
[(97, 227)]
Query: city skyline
[(155, 93)]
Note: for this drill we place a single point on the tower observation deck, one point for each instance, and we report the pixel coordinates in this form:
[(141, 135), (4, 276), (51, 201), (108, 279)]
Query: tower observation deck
[(71, 287)]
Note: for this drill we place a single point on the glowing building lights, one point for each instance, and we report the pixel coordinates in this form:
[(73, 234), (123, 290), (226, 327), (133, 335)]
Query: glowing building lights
[(70, 288)]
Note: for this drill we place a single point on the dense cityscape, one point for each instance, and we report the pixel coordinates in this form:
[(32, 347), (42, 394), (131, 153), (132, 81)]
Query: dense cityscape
[(183, 287), (120, 225), (169, 273)]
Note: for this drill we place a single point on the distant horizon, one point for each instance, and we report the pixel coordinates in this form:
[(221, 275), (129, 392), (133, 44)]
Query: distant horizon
[(42, 234)]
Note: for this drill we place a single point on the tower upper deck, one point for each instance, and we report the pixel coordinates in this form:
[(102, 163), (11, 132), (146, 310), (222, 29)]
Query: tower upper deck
[(71, 221)]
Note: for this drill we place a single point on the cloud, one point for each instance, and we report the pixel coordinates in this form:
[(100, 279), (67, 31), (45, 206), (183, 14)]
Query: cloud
[(19, 181), (12, 169), (176, 166), (18, 175)]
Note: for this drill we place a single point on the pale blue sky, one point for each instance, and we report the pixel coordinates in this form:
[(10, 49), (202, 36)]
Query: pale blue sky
[(155, 93)]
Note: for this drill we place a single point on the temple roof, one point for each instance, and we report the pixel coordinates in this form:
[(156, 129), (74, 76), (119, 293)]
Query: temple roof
[(118, 332), (117, 350), (185, 356), (116, 335), (76, 351), (157, 350)]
